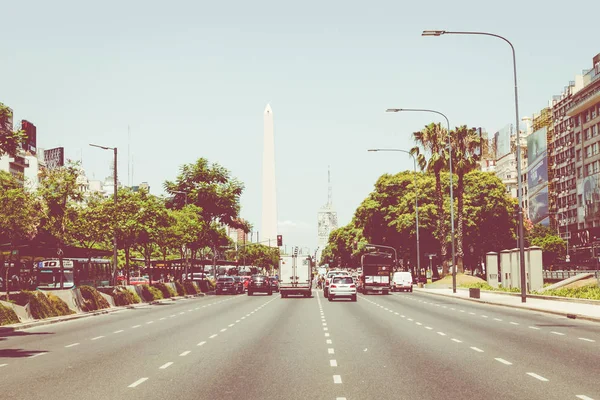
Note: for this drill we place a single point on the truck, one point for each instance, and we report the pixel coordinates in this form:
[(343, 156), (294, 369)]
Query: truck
[(376, 273), (295, 275)]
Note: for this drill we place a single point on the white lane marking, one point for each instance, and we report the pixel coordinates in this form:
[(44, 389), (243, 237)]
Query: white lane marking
[(97, 337), (428, 327), (3, 365), (538, 377), (181, 313), (476, 349), (462, 310), (586, 339), (149, 322), (163, 318), (333, 363), (452, 308), (484, 316), (213, 336), (230, 325), (325, 329), (247, 315), (119, 331), (328, 341), (418, 323), (337, 379), (326, 334), (396, 313), (471, 313), (456, 340), (557, 333), (172, 315), (583, 397), (330, 351), (243, 318), (503, 361), (534, 327), (410, 319), (402, 316), (165, 366), (190, 310), (185, 353), (138, 382), (37, 355), (514, 323), (201, 343), (197, 308), (497, 319), (72, 345), (223, 330), (135, 326), (237, 320), (324, 323), (441, 333)]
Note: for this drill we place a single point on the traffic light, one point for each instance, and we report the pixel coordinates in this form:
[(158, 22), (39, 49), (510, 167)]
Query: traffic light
[(279, 240)]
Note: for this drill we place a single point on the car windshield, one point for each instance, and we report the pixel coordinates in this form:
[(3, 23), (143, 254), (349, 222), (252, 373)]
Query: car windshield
[(347, 281), (225, 280)]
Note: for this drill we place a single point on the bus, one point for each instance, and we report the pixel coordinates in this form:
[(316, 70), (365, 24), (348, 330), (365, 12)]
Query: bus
[(376, 273), (76, 272)]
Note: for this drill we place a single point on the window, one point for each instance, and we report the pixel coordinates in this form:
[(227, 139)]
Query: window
[(578, 138), (588, 151), (595, 148), (596, 167), (579, 172), (594, 129), (586, 133), (588, 169), (578, 155), (593, 112)]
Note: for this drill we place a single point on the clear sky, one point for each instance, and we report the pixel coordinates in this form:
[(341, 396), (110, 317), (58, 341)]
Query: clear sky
[(192, 78)]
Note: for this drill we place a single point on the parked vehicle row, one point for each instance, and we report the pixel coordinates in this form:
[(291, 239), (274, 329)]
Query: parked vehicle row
[(251, 284)]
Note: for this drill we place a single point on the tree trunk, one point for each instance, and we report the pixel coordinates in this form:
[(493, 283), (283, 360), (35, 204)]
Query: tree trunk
[(460, 254), (62, 268), (442, 230), (127, 264), (7, 269)]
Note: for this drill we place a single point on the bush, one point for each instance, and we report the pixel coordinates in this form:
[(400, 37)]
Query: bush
[(164, 289), (486, 286), (586, 292), (93, 300), (39, 305), (59, 305), (124, 297), (7, 315), (180, 288), (190, 287)]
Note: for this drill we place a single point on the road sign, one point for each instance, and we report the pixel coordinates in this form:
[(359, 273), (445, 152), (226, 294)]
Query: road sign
[(568, 258)]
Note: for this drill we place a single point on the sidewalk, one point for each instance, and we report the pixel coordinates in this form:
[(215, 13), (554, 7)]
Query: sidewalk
[(566, 308)]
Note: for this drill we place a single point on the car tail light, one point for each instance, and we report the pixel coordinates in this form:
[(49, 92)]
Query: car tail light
[(352, 286), (333, 286)]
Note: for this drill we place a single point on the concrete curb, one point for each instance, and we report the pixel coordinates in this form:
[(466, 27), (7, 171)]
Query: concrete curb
[(529, 308), (48, 321)]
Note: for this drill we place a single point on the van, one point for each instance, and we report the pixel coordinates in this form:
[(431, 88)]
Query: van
[(402, 281)]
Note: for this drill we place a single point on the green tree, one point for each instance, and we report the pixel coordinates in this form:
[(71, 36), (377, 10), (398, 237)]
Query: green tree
[(432, 140), (151, 215), (553, 247), (466, 143), (127, 223), (20, 216), (10, 140), (187, 230), (259, 256), (60, 191)]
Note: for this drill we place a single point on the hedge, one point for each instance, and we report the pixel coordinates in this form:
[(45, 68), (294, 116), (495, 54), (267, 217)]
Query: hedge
[(93, 300), (59, 305), (190, 288), (180, 288), (166, 293), (586, 292), (124, 297), (151, 293), (7, 315)]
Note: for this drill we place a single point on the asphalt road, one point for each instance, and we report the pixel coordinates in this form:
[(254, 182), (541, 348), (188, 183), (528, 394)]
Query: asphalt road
[(401, 346)]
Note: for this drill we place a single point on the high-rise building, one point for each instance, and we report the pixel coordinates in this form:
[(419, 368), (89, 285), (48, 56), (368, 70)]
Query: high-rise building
[(268, 233), (326, 219)]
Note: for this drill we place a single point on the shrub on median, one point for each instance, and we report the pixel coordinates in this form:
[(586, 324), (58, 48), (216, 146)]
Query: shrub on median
[(125, 297), (190, 287), (93, 300), (39, 305), (59, 305), (7, 315), (151, 293), (486, 286), (586, 292), (180, 288), (166, 291)]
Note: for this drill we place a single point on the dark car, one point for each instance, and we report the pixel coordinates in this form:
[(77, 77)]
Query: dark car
[(226, 284), (274, 283), (260, 283)]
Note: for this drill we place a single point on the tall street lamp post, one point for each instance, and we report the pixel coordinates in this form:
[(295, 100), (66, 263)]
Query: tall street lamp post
[(186, 245), (416, 199), (451, 184), (114, 149), (519, 182)]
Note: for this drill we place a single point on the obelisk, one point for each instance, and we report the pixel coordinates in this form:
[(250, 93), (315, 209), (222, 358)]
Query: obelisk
[(268, 232)]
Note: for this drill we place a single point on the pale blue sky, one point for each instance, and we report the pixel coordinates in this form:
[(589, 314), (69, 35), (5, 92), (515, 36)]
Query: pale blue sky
[(192, 78)]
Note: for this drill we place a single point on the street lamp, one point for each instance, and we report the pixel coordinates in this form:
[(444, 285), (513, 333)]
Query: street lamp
[(519, 183), (416, 199), (451, 184), (186, 245), (114, 149)]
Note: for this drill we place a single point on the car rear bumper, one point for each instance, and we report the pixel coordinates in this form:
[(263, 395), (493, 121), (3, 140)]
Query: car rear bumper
[(342, 293)]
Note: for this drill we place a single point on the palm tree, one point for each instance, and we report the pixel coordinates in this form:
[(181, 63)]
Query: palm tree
[(466, 150), (433, 141)]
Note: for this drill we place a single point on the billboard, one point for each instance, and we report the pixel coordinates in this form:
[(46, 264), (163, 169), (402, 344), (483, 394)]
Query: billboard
[(503, 141), (538, 207), (537, 176), (589, 192), (30, 143), (54, 158), (536, 146)]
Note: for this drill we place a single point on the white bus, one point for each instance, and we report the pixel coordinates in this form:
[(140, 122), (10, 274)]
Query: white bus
[(48, 274)]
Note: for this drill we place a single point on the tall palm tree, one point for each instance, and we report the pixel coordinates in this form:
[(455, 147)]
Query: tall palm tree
[(432, 139), (466, 151)]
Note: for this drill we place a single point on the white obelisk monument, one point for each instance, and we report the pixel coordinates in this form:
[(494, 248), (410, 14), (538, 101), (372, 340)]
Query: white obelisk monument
[(268, 233)]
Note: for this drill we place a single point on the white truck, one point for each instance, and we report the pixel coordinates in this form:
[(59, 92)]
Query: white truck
[(295, 276)]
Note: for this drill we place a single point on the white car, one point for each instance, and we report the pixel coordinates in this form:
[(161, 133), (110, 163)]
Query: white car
[(342, 286), (402, 281), (328, 278)]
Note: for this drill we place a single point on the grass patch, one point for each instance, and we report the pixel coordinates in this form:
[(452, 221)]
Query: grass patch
[(485, 286), (59, 305), (93, 300), (151, 293), (8, 315), (190, 287), (124, 297), (166, 291), (180, 288), (587, 292)]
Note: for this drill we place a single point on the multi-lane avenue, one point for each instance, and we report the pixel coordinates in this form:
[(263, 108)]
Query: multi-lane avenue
[(400, 346)]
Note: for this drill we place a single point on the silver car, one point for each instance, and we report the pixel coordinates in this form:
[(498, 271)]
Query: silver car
[(342, 286)]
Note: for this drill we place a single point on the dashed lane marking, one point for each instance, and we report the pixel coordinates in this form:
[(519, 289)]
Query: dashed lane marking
[(538, 377), (135, 326), (503, 361), (201, 343), (333, 363), (213, 336), (138, 382), (583, 397), (418, 323), (456, 340), (72, 345), (471, 313), (441, 333), (181, 313), (337, 379), (237, 320), (484, 316), (534, 327), (165, 366), (428, 327), (185, 353), (326, 334), (557, 333), (230, 325), (340, 398), (119, 331), (497, 319), (149, 322), (476, 349), (3, 365), (163, 318), (330, 351), (36, 355), (514, 323), (328, 341), (587, 340)]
